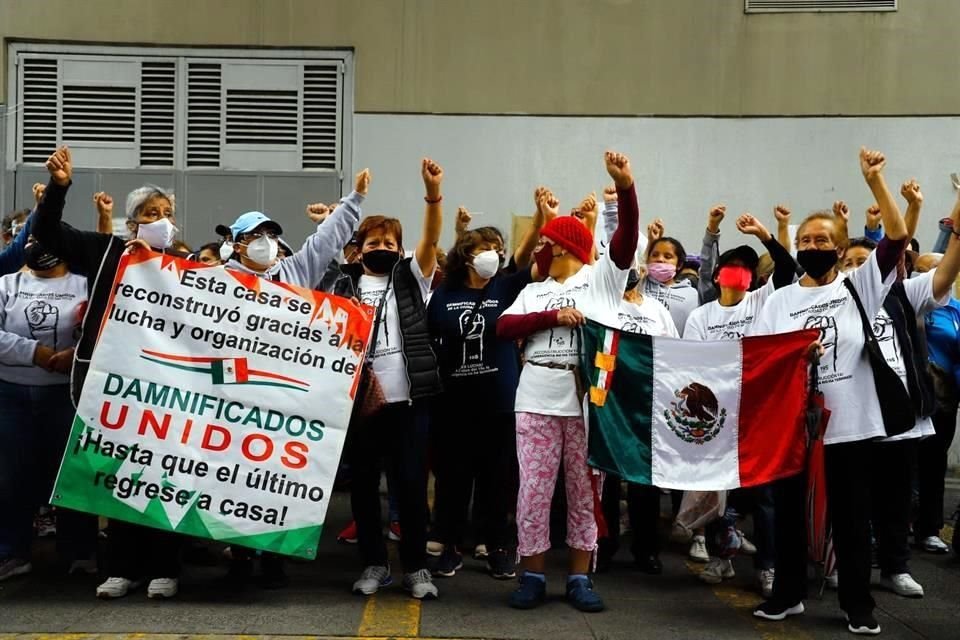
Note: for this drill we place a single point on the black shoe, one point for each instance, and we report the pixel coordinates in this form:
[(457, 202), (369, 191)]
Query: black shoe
[(501, 566), (863, 624), (773, 610), (650, 565), (272, 573), (449, 562)]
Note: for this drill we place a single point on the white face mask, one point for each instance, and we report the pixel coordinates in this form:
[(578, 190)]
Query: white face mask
[(486, 264), (226, 251), (159, 234), (263, 250)]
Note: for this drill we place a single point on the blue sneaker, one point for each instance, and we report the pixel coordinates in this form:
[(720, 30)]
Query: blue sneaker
[(581, 595), (530, 594)]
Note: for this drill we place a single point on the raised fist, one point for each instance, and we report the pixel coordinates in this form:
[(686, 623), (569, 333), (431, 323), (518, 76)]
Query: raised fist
[(717, 212), (618, 166), (104, 203), (362, 183), (38, 189), (548, 206), (911, 192), (432, 175), (655, 230), (873, 217), (781, 213), (60, 166), (609, 194), (841, 210), (463, 220), (871, 163), (318, 212), (749, 225)]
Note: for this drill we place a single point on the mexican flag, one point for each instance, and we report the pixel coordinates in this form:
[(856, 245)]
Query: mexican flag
[(692, 415)]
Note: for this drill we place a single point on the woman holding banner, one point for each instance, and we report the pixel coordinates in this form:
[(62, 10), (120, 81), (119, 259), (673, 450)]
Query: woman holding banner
[(550, 421), (40, 313)]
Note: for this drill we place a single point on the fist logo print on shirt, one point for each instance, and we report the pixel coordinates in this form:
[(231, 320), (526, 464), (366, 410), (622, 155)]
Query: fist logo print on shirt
[(471, 328), (884, 332), (42, 318), (828, 336), (557, 334)]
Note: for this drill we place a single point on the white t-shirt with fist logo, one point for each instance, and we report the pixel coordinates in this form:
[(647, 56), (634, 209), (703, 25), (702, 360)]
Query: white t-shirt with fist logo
[(595, 291), (45, 311)]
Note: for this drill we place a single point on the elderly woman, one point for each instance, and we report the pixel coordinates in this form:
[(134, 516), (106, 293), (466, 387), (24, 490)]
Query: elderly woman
[(828, 299)]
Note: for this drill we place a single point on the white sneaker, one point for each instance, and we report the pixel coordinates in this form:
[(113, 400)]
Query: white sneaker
[(372, 578), (420, 585), (116, 588), (747, 548), (698, 549), (765, 577), (434, 548), (480, 552), (162, 588), (88, 566), (935, 544), (717, 570), (12, 567), (902, 584)]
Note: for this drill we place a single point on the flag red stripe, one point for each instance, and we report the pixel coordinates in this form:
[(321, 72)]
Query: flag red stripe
[(243, 373), (167, 356), (274, 376), (773, 397)]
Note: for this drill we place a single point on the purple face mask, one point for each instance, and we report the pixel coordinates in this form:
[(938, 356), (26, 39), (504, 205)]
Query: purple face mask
[(661, 271)]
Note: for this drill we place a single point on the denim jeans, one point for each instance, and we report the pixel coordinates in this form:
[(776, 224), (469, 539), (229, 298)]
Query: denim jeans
[(35, 423)]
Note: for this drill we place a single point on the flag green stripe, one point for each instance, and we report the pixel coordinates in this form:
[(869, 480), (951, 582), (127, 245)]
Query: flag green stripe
[(217, 371), (620, 429)]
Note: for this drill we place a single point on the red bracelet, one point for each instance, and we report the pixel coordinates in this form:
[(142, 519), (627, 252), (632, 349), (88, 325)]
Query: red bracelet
[(429, 201)]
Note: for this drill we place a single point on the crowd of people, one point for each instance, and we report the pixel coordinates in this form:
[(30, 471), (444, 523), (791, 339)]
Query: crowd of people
[(479, 322)]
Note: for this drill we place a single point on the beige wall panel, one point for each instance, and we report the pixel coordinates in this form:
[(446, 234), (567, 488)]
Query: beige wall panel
[(663, 57)]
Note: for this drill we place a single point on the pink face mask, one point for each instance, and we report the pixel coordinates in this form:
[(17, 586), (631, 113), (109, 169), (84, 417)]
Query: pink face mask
[(661, 271)]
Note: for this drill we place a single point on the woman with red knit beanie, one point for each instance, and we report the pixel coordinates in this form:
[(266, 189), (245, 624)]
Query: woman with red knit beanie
[(550, 422)]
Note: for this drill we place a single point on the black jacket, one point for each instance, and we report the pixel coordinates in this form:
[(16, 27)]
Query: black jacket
[(422, 370), (89, 253)]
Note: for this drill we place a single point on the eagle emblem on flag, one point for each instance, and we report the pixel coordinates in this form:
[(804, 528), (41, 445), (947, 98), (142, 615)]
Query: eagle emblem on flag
[(695, 416)]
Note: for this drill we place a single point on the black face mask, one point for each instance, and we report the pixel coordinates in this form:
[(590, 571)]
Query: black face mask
[(633, 279), (38, 258), (817, 262), (380, 261)]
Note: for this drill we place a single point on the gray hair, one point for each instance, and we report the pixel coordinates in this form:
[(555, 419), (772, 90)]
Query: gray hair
[(137, 198)]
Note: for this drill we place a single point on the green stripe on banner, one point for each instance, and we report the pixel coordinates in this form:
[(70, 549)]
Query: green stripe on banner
[(217, 371), (620, 429)]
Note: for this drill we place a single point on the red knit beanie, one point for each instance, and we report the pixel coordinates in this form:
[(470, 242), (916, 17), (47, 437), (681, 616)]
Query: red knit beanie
[(572, 235)]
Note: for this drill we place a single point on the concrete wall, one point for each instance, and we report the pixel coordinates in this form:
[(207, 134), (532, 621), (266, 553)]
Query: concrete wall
[(663, 57), (683, 165)]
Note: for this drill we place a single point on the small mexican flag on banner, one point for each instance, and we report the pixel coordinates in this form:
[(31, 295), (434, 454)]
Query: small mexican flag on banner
[(692, 415), (230, 371)]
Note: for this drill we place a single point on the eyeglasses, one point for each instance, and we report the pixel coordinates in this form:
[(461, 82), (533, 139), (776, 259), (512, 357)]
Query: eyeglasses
[(256, 235)]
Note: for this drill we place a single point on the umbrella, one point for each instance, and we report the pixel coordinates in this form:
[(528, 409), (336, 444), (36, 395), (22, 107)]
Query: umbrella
[(819, 533)]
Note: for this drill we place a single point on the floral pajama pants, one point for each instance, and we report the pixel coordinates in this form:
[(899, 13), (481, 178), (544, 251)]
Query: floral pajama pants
[(542, 441)]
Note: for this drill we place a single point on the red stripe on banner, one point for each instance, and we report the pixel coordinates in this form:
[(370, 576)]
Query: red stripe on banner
[(243, 373), (275, 376), (167, 356), (773, 402)]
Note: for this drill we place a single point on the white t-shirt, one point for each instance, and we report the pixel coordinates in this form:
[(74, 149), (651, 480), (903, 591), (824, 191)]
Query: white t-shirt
[(389, 362), (919, 292), (596, 291), (713, 321), (680, 299), (47, 311), (845, 375), (649, 317)]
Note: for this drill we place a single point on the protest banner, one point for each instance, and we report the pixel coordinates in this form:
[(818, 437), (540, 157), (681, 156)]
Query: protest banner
[(216, 405)]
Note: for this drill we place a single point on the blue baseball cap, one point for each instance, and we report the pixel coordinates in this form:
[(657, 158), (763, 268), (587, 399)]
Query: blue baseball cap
[(252, 220)]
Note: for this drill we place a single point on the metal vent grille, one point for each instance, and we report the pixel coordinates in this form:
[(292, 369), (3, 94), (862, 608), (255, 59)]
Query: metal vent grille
[(204, 109), (158, 101), (795, 6), (263, 116), (38, 133), (94, 113), (321, 116)]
